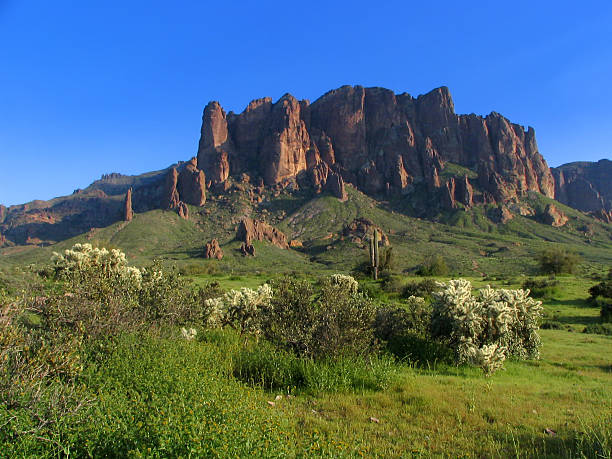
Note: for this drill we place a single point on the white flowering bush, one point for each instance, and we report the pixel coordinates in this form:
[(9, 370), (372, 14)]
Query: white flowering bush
[(240, 309), (487, 328), (347, 283), (84, 260)]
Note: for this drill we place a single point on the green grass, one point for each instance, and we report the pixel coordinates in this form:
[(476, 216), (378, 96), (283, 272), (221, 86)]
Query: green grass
[(162, 396)]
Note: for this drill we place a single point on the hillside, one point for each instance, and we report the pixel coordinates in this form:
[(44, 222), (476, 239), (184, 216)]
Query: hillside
[(473, 188)]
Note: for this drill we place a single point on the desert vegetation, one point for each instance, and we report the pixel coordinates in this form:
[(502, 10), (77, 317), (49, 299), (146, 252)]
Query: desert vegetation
[(100, 358)]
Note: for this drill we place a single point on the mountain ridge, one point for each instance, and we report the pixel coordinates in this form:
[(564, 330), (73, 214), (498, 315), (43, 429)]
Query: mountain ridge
[(390, 146)]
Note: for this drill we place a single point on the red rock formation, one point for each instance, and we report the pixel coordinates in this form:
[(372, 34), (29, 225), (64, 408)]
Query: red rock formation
[(215, 146), (182, 210), (553, 216), (2, 213), (335, 185), (170, 195), (360, 229), (380, 141), (2, 240), (213, 250), (128, 213), (247, 249), (252, 230), (586, 186), (191, 185)]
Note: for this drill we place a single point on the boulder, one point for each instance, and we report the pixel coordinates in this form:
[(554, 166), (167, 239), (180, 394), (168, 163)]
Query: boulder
[(553, 216), (213, 250), (247, 249), (182, 210), (252, 230), (360, 229)]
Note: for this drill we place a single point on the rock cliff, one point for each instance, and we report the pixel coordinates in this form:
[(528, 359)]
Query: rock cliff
[(377, 140), (586, 186)]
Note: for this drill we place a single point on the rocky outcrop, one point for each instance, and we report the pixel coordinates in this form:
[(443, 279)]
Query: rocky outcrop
[(182, 210), (252, 230), (361, 229), (128, 213), (2, 213), (170, 195), (553, 216), (586, 186), (247, 249), (377, 140), (500, 214), (213, 250), (2, 240), (191, 184)]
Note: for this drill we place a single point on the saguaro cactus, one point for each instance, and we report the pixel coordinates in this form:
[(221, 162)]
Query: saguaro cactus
[(374, 253)]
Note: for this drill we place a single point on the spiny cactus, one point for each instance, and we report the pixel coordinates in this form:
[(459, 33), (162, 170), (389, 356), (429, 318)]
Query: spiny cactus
[(374, 258)]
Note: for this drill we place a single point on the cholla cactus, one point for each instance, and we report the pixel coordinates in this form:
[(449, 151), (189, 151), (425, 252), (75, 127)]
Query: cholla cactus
[(347, 283), (240, 308), (189, 333), (84, 258), (485, 329)]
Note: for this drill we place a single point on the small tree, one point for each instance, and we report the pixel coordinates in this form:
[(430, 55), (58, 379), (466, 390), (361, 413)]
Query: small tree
[(433, 265), (558, 260)]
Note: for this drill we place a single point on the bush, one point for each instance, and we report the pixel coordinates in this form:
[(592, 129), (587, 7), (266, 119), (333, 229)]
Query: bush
[(558, 261), (599, 329), (335, 320), (553, 325), (542, 288), (422, 289), (483, 330), (433, 265), (603, 289), (413, 318)]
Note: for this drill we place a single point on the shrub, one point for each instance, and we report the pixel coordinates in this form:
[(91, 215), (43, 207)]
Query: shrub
[(553, 325), (334, 320), (433, 265), (599, 329), (542, 288), (413, 318), (606, 308), (603, 289), (422, 289), (485, 329), (558, 261)]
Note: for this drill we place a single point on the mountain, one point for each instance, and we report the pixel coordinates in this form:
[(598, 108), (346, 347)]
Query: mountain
[(411, 154), (586, 186)]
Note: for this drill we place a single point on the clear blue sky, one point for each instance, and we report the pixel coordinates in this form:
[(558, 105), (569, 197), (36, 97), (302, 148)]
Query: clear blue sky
[(88, 87)]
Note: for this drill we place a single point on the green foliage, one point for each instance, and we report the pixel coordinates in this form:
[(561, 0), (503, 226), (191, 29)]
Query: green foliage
[(599, 329), (336, 321), (422, 289), (433, 265), (542, 288), (558, 261), (269, 367), (412, 318), (603, 289)]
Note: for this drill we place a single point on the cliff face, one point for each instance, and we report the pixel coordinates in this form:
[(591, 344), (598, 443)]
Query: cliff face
[(383, 143), (586, 186), (379, 141)]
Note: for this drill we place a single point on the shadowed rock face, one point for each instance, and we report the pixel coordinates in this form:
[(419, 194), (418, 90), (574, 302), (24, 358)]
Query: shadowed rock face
[(212, 249), (586, 186), (377, 140), (252, 230)]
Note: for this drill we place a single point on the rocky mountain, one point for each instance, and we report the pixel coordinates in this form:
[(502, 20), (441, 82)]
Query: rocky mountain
[(387, 145), (586, 186)]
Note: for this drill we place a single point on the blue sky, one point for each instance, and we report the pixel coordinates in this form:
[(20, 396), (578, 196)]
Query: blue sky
[(89, 87)]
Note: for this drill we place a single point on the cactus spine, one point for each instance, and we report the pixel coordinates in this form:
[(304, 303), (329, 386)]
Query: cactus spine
[(374, 253)]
